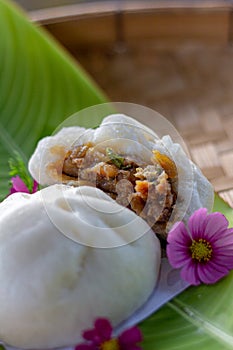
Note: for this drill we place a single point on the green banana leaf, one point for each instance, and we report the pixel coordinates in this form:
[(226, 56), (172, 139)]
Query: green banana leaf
[(40, 86)]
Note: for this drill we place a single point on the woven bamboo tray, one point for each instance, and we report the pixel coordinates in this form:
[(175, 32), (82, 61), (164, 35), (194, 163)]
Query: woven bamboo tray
[(177, 59)]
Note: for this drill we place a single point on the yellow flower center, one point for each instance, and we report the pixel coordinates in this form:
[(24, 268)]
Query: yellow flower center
[(201, 250), (111, 344)]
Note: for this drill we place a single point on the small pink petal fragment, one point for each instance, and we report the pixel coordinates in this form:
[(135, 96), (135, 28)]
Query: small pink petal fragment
[(18, 185), (85, 347), (104, 328), (100, 337), (131, 336), (35, 186)]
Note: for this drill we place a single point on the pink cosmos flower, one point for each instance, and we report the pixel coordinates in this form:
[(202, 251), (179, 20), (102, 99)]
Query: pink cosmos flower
[(100, 338), (204, 249), (19, 186)]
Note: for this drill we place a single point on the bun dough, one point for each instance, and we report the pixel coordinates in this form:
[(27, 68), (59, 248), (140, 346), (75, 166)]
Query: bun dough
[(52, 288)]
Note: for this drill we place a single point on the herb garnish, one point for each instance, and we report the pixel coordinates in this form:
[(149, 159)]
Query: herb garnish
[(115, 158)]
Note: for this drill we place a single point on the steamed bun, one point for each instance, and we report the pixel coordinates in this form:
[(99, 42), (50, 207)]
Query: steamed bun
[(132, 140), (52, 286)]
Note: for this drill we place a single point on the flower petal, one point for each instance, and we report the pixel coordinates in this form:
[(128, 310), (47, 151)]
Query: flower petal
[(35, 186), (225, 240), (179, 234), (92, 335), (103, 328), (197, 223), (216, 224), (12, 190), (85, 347), (210, 273), (205, 274), (131, 347), (224, 260), (130, 336), (19, 185), (177, 256), (189, 273)]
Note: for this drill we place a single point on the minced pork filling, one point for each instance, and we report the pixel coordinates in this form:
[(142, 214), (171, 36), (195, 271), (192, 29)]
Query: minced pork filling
[(147, 189)]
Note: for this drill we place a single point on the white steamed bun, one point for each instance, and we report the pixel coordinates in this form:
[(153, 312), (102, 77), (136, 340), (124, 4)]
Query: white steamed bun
[(52, 288)]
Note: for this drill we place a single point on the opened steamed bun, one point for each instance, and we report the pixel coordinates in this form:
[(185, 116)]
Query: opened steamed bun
[(129, 162), (52, 287)]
